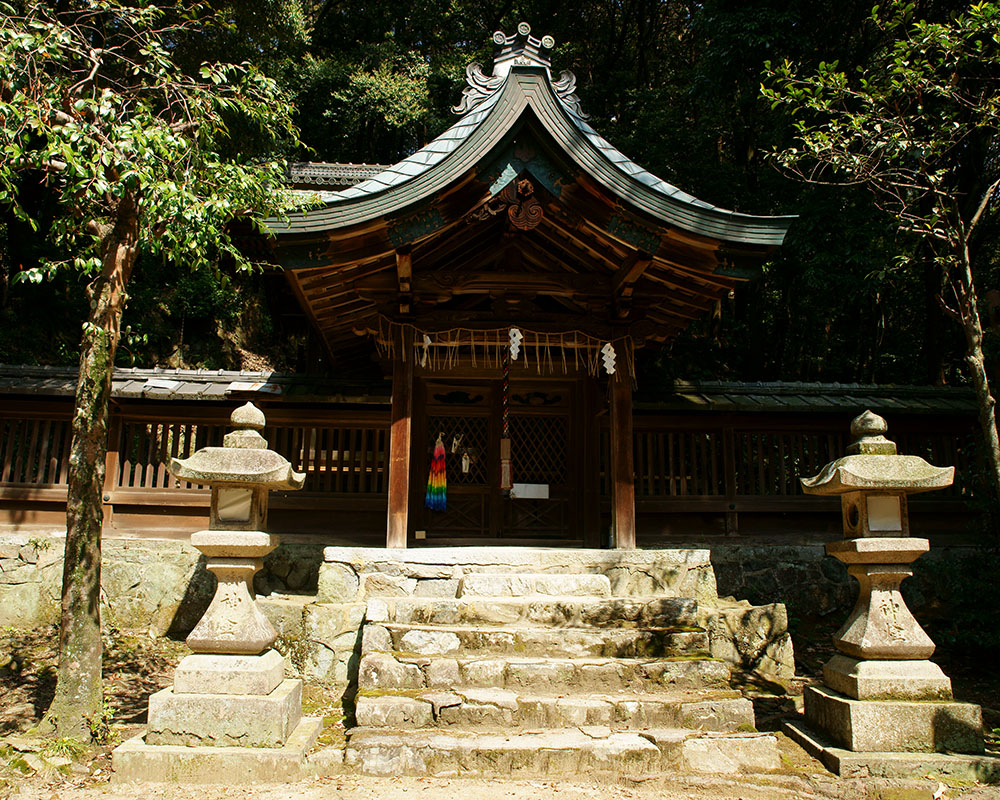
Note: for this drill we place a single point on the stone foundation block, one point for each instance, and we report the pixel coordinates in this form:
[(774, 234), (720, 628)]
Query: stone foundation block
[(488, 672), (689, 673), (204, 673), (382, 671), (895, 725), (225, 720), (443, 673), (137, 760), (434, 587), (728, 753), (485, 585), (337, 583), (936, 766), (886, 680), (393, 712), (753, 638), (728, 714)]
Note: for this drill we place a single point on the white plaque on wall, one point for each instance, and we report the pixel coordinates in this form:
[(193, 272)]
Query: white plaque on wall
[(530, 491)]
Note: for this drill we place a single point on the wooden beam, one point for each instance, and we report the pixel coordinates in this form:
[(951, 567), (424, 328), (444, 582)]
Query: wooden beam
[(623, 282), (442, 320), (622, 467), (307, 306), (487, 282), (400, 445), (628, 273)]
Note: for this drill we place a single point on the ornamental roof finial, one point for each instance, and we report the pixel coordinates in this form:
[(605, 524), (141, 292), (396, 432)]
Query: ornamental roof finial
[(520, 49)]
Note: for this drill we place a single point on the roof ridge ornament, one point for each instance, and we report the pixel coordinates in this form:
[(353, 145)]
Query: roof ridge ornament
[(518, 50)]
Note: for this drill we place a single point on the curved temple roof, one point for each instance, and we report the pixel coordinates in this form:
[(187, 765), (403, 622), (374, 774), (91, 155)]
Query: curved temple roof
[(599, 242), (522, 79)]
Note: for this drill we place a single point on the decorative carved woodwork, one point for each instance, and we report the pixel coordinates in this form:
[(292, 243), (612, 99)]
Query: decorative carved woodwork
[(518, 199)]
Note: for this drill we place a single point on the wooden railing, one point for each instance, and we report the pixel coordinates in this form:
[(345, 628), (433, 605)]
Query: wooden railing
[(344, 456), (338, 456), (34, 452), (693, 463), (711, 463)]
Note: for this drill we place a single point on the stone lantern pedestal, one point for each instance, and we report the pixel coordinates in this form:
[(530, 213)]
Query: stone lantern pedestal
[(231, 715), (885, 709)]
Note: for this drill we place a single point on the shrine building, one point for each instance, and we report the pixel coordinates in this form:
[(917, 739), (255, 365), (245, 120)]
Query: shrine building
[(491, 291), (505, 275)]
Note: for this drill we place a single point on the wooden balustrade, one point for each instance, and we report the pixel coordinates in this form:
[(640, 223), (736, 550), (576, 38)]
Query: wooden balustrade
[(694, 463)]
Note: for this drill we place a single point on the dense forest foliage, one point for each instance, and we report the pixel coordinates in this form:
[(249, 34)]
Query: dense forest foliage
[(674, 85)]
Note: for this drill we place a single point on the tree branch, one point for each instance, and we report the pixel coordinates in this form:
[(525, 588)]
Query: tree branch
[(987, 196), (95, 58), (948, 310), (184, 127)]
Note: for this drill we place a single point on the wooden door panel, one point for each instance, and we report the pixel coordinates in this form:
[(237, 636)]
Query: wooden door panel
[(543, 451)]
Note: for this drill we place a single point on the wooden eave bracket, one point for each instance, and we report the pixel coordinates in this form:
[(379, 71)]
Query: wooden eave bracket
[(624, 280), (404, 278)]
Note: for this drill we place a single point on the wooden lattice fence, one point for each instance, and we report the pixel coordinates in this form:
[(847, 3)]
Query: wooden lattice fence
[(692, 463)]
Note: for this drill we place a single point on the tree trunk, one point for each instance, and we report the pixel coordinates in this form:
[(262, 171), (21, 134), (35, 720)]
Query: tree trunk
[(76, 708), (972, 327)]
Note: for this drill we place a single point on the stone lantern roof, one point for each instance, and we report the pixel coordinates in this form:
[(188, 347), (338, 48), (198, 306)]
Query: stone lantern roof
[(243, 459), (873, 464)]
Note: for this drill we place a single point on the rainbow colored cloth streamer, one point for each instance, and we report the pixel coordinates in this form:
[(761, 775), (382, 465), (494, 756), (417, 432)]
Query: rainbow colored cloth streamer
[(436, 498)]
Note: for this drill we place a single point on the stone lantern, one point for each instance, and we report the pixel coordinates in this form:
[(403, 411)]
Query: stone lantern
[(240, 474), (882, 695), (230, 699)]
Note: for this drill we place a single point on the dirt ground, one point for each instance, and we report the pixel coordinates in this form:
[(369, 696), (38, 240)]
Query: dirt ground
[(816, 786), (136, 666)]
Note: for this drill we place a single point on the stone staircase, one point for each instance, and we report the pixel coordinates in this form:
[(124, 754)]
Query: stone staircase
[(549, 673)]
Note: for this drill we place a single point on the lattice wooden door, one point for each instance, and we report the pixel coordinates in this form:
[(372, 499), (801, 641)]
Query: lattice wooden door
[(468, 418), (539, 455), (468, 512)]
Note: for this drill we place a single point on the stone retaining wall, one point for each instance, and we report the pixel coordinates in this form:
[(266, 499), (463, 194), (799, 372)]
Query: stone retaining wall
[(161, 586)]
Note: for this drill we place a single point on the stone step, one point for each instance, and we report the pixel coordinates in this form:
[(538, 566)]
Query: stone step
[(479, 708), (591, 750), (470, 641), (351, 573), (482, 584), (388, 672), (561, 612)]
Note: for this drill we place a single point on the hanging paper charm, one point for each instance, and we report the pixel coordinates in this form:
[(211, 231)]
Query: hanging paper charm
[(608, 355), (426, 350), (456, 442), (466, 463), (515, 343), (436, 498)]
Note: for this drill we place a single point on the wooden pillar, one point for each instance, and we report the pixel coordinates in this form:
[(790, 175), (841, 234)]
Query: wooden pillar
[(399, 445), (622, 466)]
